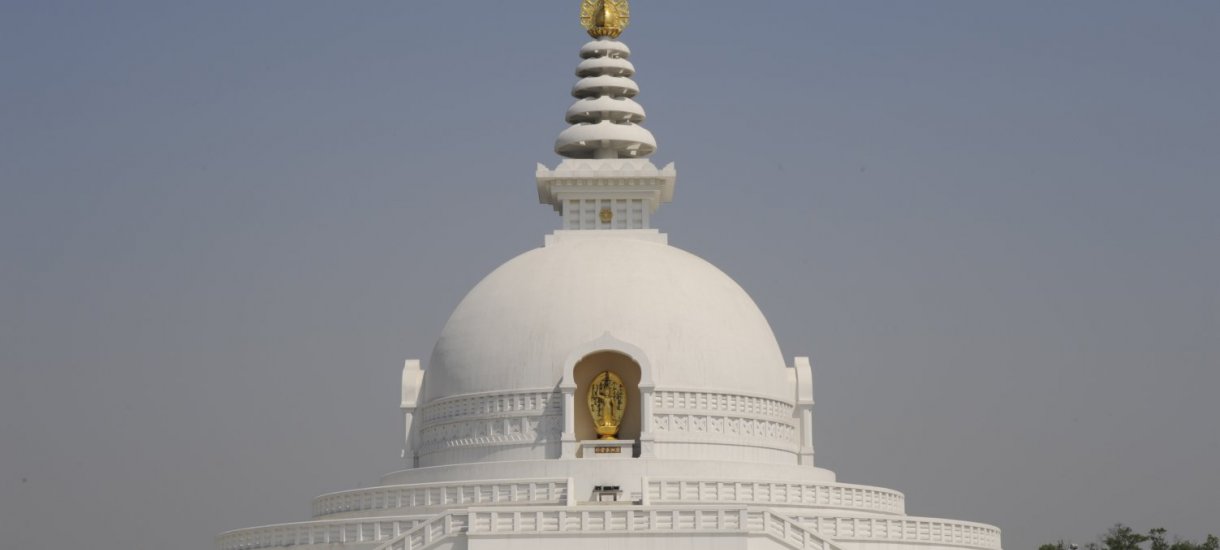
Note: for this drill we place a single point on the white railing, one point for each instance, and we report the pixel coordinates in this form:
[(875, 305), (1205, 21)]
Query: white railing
[(686, 401), (316, 532), (576, 520), (788, 531), (804, 533), (436, 529), (849, 497), (691, 520), (924, 530), (487, 493)]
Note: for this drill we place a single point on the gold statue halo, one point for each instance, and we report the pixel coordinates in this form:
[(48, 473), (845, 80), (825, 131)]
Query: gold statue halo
[(604, 18), (607, 403)]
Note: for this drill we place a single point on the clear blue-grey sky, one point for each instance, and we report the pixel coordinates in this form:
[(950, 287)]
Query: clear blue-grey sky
[(223, 226)]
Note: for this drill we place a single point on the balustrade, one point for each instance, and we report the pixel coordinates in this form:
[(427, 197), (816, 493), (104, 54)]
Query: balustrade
[(490, 493), (797, 533), (316, 532), (924, 530), (661, 491)]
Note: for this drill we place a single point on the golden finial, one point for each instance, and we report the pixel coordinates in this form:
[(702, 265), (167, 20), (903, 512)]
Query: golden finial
[(604, 18)]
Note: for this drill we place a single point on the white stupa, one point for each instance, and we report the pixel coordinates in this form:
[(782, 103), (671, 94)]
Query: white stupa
[(705, 431)]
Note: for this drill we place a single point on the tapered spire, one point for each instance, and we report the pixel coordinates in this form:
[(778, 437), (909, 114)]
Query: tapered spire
[(605, 181), (605, 119)]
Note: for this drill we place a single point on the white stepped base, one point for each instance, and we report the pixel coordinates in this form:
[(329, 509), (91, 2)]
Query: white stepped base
[(541, 527)]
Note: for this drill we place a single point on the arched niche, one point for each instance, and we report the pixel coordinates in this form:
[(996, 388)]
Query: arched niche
[(629, 371), (618, 352)]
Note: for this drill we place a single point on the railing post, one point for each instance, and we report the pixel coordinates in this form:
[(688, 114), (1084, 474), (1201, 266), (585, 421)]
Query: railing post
[(568, 437), (647, 438)]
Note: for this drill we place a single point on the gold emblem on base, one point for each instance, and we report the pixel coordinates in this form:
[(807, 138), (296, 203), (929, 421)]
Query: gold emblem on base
[(607, 403), (604, 18), (606, 215)]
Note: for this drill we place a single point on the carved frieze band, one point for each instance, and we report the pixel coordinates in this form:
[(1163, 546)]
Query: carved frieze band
[(492, 419), (728, 426), (714, 416), (490, 431)]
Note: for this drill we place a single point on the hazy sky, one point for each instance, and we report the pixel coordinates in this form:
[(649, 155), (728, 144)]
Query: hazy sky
[(223, 226)]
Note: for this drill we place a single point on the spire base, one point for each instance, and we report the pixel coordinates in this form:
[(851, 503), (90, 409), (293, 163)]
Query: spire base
[(606, 194)]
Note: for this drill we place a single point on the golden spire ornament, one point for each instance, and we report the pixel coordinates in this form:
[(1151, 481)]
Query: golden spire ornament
[(604, 18)]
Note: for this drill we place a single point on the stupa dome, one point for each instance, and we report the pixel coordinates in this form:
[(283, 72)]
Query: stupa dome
[(704, 377), (608, 390), (518, 327)]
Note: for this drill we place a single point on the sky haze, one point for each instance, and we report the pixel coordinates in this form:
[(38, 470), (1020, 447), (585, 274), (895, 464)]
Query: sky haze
[(224, 225)]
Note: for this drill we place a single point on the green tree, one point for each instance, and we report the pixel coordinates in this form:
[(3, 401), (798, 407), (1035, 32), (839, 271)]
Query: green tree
[(1121, 537), (1212, 543)]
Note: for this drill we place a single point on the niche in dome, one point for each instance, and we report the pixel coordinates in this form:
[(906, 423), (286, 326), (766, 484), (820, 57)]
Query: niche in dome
[(627, 370)]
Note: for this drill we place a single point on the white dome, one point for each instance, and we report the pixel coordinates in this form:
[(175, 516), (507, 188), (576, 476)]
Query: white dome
[(698, 329)]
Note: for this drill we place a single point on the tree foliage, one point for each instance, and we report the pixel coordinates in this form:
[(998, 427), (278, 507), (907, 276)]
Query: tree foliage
[(1121, 537)]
